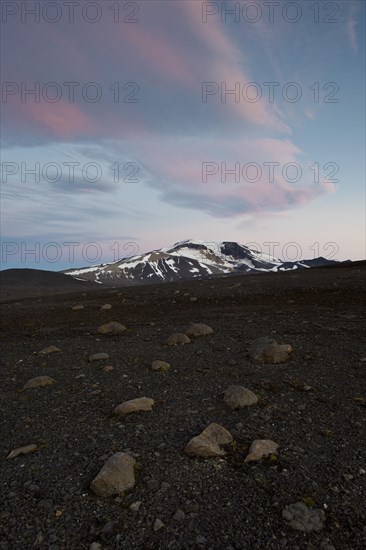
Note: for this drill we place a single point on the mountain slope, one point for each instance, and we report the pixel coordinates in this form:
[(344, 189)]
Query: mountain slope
[(188, 260)]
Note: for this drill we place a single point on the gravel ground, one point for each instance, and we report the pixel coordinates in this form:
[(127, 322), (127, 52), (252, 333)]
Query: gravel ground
[(220, 503)]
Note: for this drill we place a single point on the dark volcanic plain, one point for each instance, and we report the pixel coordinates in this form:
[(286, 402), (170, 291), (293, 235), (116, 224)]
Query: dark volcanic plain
[(45, 500)]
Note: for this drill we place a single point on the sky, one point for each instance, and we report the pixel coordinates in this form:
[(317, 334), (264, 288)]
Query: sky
[(130, 125)]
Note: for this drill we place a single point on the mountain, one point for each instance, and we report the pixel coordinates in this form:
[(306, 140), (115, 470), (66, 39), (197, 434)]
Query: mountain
[(187, 260)]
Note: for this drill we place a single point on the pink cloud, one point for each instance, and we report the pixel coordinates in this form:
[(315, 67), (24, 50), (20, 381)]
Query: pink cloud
[(62, 119)]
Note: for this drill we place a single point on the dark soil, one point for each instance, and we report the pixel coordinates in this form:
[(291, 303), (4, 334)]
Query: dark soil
[(45, 500)]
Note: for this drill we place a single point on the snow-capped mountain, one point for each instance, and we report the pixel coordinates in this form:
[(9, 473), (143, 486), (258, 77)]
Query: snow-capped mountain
[(186, 260)]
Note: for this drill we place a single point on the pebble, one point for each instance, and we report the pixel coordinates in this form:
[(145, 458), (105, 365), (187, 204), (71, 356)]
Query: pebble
[(177, 338), (135, 506), (111, 328), (50, 349), (98, 357), (158, 524), (179, 515), (22, 450), (38, 382), (134, 405)]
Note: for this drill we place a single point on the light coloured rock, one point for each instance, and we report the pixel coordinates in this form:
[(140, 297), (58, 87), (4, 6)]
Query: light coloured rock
[(260, 448), (22, 451), (50, 349), (177, 338), (302, 518), (208, 443), (158, 524), (238, 397), (77, 307), (198, 329), (111, 328), (160, 366), (108, 368), (266, 350), (134, 405), (105, 307), (95, 546), (98, 357), (135, 506), (115, 477), (193, 299), (38, 382)]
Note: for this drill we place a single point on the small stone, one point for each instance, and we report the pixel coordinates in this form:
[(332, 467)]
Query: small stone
[(177, 338), (111, 328), (201, 540), (115, 477), (22, 451), (50, 349), (95, 546), (238, 397), (108, 368), (105, 307), (98, 357), (302, 518), (260, 448), (134, 405), (198, 329), (193, 299), (38, 382), (208, 443), (362, 471), (158, 524), (135, 506), (77, 307), (266, 350), (179, 515), (160, 366)]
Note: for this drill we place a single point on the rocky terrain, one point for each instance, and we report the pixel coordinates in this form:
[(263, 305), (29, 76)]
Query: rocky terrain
[(220, 414)]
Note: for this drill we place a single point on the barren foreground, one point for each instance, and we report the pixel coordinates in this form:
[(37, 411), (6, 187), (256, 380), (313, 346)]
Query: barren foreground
[(312, 406)]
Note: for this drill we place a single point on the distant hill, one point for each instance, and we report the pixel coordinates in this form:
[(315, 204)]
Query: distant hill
[(21, 283)]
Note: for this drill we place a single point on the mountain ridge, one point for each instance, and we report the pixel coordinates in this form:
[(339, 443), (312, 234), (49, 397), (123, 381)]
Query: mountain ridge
[(187, 260)]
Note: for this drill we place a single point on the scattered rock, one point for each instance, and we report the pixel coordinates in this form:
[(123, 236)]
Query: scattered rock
[(302, 518), (238, 397), (260, 448), (105, 307), (95, 546), (160, 366), (158, 524), (177, 338), (198, 329), (98, 357), (193, 299), (134, 405), (179, 515), (208, 443), (111, 328), (77, 307), (22, 451), (135, 506), (108, 368), (50, 349), (38, 382), (115, 477), (266, 350)]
